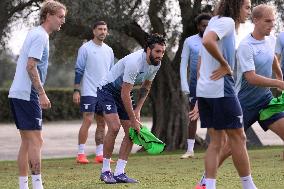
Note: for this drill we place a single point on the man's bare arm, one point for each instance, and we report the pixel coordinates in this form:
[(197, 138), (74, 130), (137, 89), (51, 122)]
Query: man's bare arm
[(143, 93), (34, 76), (35, 79)]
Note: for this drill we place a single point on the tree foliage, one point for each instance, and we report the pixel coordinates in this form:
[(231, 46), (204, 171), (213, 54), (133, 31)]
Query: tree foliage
[(11, 10), (129, 21)]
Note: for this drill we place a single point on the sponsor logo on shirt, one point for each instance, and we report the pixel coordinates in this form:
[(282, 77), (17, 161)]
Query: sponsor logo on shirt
[(132, 76)]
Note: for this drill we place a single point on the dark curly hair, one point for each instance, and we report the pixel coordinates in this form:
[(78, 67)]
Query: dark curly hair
[(230, 8), (152, 39), (202, 16)]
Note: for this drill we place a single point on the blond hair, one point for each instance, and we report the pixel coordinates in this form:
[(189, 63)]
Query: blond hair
[(260, 10), (50, 7)]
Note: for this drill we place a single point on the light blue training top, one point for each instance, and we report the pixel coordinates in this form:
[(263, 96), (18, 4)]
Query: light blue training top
[(36, 45), (254, 55), (224, 27), (93, 63), (132, 69), (189, 55)]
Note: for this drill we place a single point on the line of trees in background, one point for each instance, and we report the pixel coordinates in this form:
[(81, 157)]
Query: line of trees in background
[(128, 22)]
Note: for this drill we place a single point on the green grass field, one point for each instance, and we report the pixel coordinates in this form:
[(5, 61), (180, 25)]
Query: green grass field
[(161, 171)]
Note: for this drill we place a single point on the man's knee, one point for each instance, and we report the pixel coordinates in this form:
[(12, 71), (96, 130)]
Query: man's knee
[(88, 119), (237, 135), (113, 123), (32, 139), (216, 146), (218, 143), (278, 128), (36, 142), (113, 129), (25, 142), (226, 150), (100, 121)]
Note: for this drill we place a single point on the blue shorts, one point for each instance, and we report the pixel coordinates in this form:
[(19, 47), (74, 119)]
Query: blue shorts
[(252, 115), (89, 104), (27, 114), (220, 113), (111, 102)]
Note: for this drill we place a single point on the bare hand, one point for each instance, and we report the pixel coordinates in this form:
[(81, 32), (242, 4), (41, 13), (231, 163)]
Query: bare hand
[(221, 72), (76, 97), (280, 85), (136, 125), (194, 114), (44, 101), (137, 114)]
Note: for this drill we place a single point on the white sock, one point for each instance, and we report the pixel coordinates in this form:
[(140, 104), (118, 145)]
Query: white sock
[(210, 183), (106, 165), (203, 180), (247, 182), (190, 145), (120, 166), (37, 182), (99, 150), (23, 182), (81, 149)]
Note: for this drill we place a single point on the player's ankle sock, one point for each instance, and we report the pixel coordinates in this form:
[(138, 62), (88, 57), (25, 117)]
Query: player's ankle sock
[(190, 145), (106, 165), (99, 150), (23, 182), (247, 182), (81, 149), (37, 182), (202, 180), (120, 166), (210, 183)]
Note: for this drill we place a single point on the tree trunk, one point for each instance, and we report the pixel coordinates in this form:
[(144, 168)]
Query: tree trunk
[(169, 108)]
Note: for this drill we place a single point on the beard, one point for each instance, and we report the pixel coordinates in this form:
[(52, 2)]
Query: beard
[(153, 61), (101, 37)]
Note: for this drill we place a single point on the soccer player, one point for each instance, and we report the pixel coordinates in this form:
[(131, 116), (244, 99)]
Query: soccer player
[(218, 105), (95, 58), (189, 56), (115, 100), (27, 96), (256, 61), (279, 49)]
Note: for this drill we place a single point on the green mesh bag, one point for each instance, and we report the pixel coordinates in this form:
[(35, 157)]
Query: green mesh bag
[(145, 138), (276, 105)]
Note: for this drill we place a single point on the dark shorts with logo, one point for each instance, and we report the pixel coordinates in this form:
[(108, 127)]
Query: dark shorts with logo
[(27, 114), (89, 104), (109, 101), (220, 113)]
